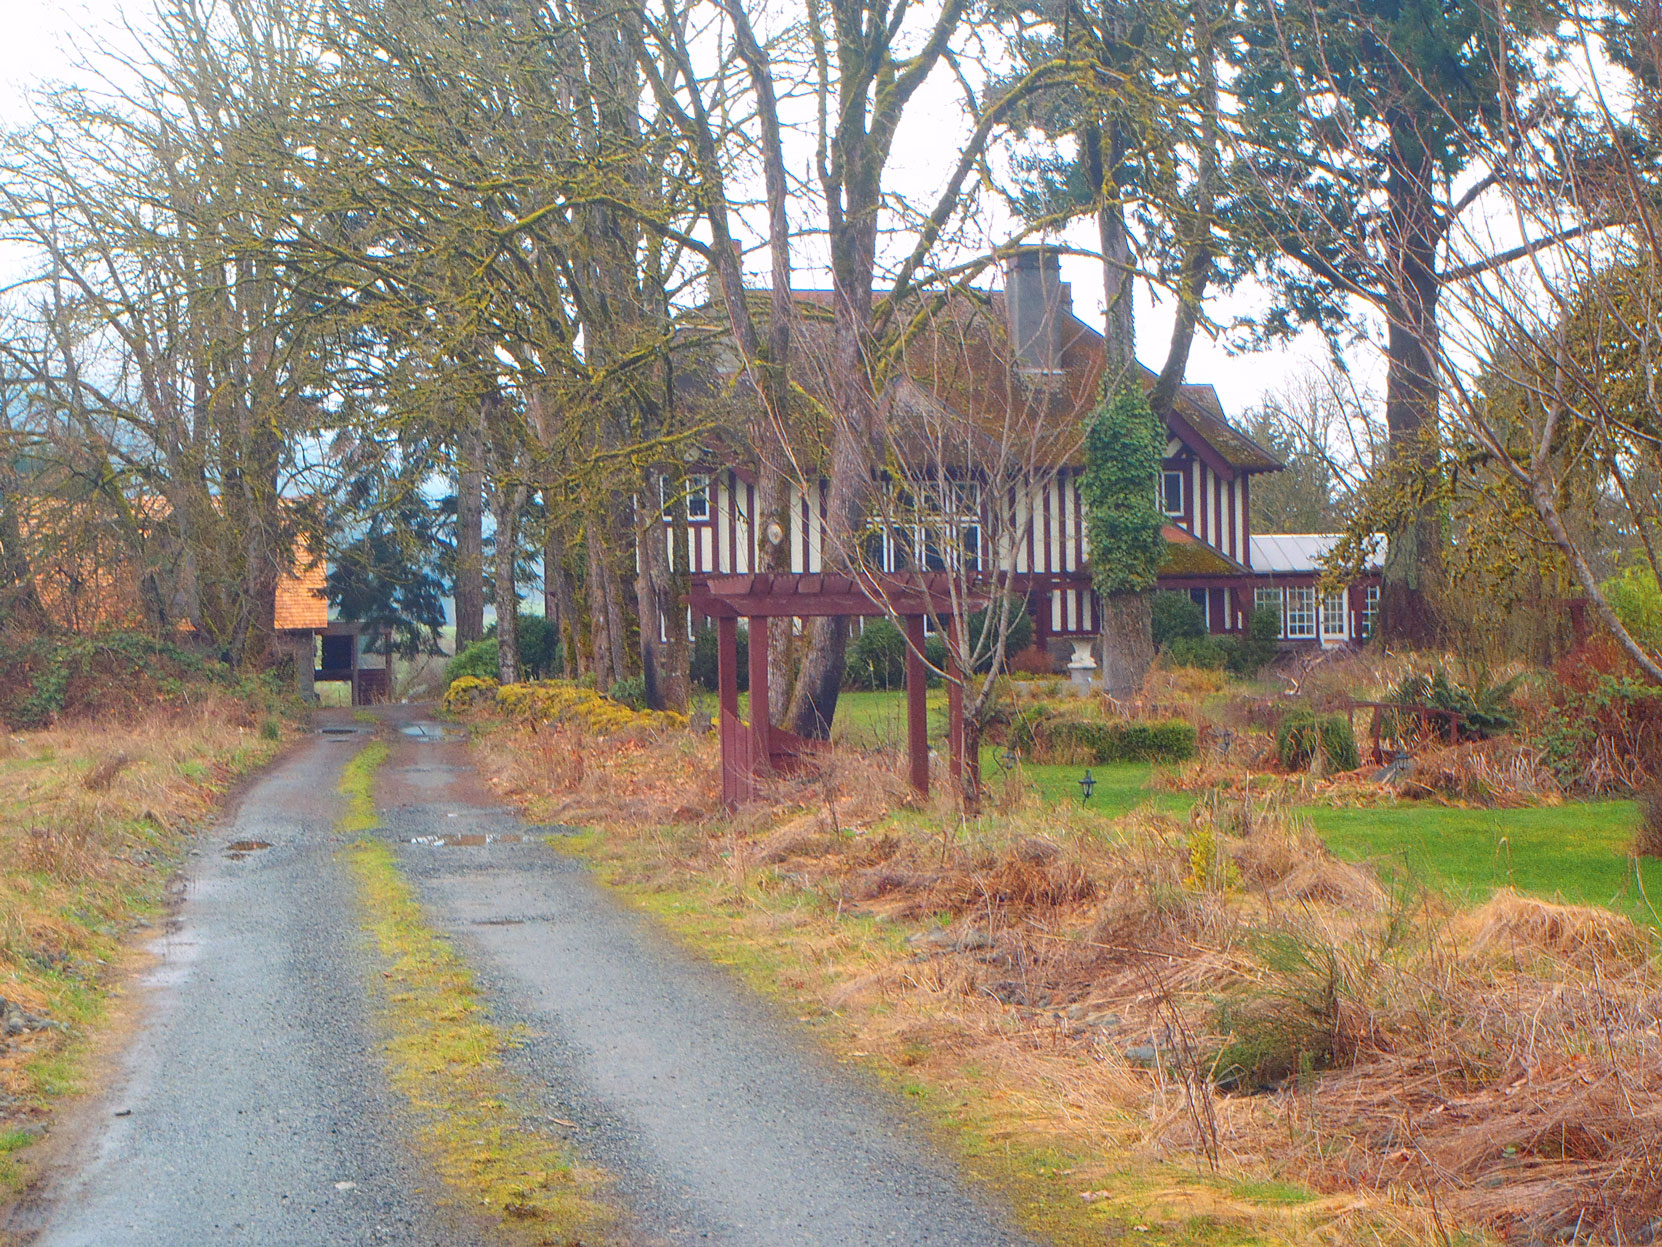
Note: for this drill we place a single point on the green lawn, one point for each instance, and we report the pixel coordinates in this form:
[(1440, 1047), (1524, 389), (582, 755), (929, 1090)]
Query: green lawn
[(1574, 852)]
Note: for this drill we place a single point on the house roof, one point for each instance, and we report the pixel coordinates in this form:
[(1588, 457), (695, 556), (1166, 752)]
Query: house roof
[(1188, 555), (1294, 553), (1204, 412), (958, 362), (87, 575), (302, 593)]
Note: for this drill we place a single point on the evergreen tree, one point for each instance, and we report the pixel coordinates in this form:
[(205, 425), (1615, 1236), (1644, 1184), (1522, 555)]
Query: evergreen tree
[(1372, 127)]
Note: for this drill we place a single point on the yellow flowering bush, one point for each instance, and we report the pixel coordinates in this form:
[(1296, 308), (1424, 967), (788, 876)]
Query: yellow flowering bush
[(560, 701), (467, 692)]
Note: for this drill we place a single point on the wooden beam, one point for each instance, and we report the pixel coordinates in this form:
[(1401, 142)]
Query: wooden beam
[(727, 688), (917, 706), (761, 751)]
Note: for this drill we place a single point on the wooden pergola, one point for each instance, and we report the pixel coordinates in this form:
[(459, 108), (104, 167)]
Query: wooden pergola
[(749, 752)]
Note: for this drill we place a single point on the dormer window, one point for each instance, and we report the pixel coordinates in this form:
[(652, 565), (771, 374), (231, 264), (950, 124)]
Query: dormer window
[(1171, 493)]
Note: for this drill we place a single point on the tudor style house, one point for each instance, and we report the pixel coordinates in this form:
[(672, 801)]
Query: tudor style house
[(1019, 360)]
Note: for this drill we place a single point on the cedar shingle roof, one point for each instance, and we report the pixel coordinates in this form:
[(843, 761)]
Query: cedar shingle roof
[(302, 602)]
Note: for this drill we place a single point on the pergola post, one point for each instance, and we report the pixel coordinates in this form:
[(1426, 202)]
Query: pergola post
[(917, 706), (733, 781), (761, 713)]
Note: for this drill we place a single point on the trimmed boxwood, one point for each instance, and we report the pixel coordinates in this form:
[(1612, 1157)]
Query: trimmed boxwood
[(1045, 734)]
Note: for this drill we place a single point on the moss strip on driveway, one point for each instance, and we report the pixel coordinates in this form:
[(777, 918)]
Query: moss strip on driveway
[(445, 1058)]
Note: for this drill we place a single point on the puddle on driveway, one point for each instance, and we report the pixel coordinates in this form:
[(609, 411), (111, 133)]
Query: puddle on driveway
[(430, 732), (468, 840), (239, 849)]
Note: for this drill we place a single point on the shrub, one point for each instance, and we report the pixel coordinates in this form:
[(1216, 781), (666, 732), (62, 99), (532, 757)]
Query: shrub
[(1176, 616), (1016, 639), (703, 666), (476, 660), (629, 691), (877, 659), (1604, 732), (1302, 732), (1045, 734), (468, 691), (1637, 601), (1205, 652), (540, 654), (44, 679), (557, 701), (1486, 708), (1248, 655), (1035, 660)]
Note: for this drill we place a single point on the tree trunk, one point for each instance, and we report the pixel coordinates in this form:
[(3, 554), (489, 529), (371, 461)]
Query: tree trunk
[(1120, 323), (607, 625), (557, 603), (661, 617), (470, 537), (506, 508), (600, 623), (1104, 150), (676, 587), (1413, 561), (19, 601), (1127, 643)]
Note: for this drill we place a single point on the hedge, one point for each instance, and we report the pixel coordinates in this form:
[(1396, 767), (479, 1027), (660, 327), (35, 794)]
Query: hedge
[(1044, 735)]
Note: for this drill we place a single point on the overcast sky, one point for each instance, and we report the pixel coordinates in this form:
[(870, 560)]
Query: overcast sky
[(39, 36)]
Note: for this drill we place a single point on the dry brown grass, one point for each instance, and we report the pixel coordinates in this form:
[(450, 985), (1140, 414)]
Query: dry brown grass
[(1419, 1068), (90, 820)]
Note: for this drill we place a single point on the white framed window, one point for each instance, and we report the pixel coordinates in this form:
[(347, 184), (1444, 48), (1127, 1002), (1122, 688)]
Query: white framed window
[(1300, 617), (938, 530), (1334, 611), (1171, 492), (697, 496), (1271, 600), (1370, 610)]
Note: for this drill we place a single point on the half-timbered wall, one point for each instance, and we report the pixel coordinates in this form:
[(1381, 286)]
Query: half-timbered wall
[(1045, 543), (722, 542), (1214, 507)]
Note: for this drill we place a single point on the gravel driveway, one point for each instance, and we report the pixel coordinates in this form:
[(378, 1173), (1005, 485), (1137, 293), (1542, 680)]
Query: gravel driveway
[(251, 1107)]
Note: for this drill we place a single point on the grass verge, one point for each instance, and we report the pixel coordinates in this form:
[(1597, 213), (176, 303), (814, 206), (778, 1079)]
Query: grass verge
[(94, 817), (445, 1058)]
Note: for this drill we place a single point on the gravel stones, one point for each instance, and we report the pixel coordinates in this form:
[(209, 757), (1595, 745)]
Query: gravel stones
[(16, 1020)]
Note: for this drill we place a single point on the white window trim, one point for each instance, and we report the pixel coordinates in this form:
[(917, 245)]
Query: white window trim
[(1306, 631), (698, 487), (1167, 475), (1333, 622)]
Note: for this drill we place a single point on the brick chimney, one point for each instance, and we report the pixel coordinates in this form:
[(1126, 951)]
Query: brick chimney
[(1037, 304)]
